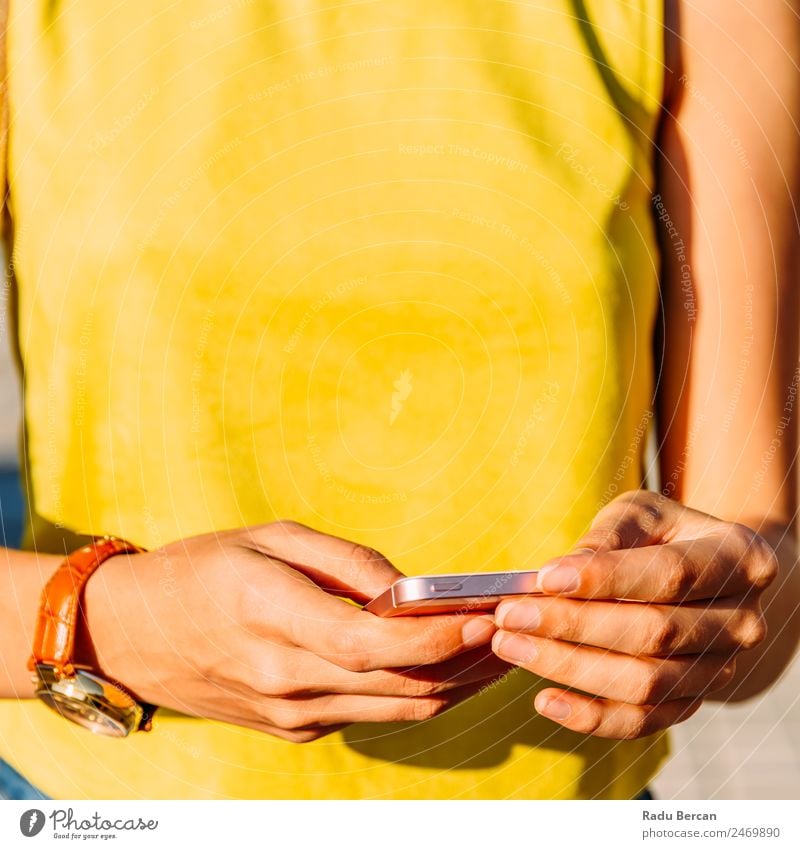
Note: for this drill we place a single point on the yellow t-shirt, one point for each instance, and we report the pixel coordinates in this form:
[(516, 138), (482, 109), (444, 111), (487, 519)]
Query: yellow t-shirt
[(386, 268)]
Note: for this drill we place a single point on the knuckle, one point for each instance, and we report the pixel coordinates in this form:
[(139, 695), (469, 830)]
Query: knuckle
[(649, 687), (565, 666), (742, 535), (657, 501), (365, 553), (290, 718), (597, 537), (275, 677), (274, 731), (352, 662), (726, 674), (750, 630), (678, 577), (721, 677), (365, 563), (412, 687), (645, 512), (758, 556), (644, 722), (248, 611), (611, 538), (426, 708), (589, 721), (763, 562), (605, 536), (270, 684), (306, 736), (262, 671), (663, 633), (349, 650), (288, 526), (564, 626), (263, 539), (642, 503), (627, 520)]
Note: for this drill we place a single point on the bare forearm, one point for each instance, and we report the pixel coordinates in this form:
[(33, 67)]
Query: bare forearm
[(727, 400), (22, 576)]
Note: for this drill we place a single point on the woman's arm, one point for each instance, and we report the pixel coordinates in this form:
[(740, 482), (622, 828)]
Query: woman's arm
[(254, 630), (728, 396), (22, 576), (727, 392)]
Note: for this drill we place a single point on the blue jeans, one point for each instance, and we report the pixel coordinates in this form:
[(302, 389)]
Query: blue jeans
[(14, 786)]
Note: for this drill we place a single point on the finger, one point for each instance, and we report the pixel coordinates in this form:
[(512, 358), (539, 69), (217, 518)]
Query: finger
[(305, 735), (415, 682), (637, 629), (631, 520), (614, 720), (477, 666), (335, 564), (290, 672), (637, 680), (468, 668), (315, 711), (641, 517), (224, 704), (286, 604), (728, 563)]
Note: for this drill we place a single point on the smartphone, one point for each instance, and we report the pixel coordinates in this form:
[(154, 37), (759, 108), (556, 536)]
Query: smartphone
[(465, 593)]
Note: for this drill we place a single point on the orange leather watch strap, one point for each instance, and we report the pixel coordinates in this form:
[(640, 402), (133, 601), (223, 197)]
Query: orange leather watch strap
[(54, 639)]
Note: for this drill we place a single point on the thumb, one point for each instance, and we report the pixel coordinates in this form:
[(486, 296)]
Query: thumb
[(336, 565), (633, 519)]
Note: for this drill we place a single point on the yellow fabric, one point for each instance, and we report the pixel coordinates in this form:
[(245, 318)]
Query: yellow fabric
[(386, 268)]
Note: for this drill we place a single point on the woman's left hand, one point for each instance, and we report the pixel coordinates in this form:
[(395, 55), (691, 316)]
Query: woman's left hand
[(646, 665)]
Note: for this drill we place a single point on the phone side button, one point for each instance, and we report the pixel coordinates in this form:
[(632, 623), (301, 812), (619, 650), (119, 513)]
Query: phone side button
[(446, 586)]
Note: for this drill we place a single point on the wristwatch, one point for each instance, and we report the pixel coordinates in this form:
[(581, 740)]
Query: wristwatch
[(70, 687)]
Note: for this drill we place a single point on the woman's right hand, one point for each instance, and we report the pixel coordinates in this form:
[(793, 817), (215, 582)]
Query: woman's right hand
[(249, 627)]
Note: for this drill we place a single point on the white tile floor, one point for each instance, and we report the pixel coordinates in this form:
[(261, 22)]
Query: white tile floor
[(745, 751)]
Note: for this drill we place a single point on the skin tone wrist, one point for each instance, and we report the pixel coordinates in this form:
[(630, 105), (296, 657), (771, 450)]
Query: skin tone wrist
[(22, 578), (98, 634)]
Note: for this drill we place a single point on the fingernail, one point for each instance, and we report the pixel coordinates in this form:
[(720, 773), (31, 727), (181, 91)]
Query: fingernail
[(518, 616), (514, 647), (554, 708), (477, 631), (558, 579)]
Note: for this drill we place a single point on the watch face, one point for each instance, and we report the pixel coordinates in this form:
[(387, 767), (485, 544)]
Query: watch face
[(90, 701)]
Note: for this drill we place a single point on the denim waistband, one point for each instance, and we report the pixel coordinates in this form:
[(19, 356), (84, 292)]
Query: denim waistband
[(14, 786)]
